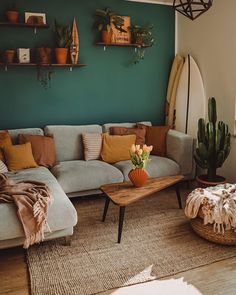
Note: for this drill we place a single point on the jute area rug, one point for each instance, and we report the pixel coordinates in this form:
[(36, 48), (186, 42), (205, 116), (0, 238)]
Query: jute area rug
[(157, 242)]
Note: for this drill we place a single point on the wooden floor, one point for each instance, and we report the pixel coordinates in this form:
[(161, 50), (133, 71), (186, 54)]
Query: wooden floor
[(215, 279)]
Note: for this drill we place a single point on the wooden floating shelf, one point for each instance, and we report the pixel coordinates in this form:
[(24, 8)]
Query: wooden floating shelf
[(24, 25), (120, 44), (42, 65), (34, 65)]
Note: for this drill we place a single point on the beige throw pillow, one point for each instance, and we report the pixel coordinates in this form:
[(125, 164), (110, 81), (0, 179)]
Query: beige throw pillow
[(92, 146)]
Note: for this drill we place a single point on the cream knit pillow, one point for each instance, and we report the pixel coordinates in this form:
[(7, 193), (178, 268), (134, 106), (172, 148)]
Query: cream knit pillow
[(92, 146), (3, 167)]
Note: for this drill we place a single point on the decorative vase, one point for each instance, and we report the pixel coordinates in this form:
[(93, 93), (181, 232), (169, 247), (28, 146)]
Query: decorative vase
[(138, 177), (44, 55), (61, 55), (12, 16), (107, 36), (9, 55), (203, 182), (74, 48)]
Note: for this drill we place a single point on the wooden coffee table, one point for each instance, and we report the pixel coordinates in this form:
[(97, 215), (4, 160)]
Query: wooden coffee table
[(124, 193)]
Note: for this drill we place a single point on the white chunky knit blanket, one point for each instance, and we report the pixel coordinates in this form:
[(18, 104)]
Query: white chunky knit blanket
[(218, 206)]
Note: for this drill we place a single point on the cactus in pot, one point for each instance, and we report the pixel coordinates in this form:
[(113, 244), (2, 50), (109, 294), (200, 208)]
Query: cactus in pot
[(213, 144)]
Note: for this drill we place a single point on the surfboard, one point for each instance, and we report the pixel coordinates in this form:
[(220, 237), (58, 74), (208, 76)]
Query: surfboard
[(190, 98), (175, 73), (74, 48)]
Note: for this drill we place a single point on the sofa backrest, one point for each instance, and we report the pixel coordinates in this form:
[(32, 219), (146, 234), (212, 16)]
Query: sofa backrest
[(33, 131), (106, 127), (68, 140)]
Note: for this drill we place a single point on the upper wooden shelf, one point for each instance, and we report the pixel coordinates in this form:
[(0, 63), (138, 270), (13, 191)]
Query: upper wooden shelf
[(119, 44), (23, 25)]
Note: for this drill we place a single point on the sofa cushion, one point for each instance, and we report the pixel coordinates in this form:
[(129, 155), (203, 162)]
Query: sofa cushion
[(75, 176), (15, 132), (106, 127), (61, 214), (92, 146), (139, 132), (3, 167), (116, 147), (5, 140), (68, 140), (156, 136), (43, 148), (19, 156), (158, 166)]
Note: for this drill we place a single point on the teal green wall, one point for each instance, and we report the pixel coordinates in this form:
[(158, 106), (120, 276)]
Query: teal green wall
[(109, 89)]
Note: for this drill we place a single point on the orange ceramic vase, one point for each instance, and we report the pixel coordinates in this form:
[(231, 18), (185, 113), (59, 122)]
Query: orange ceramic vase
[(138, 177), (61, 55)]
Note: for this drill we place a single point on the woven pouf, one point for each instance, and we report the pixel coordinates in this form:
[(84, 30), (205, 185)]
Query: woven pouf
[(207, 232), (227, 237)]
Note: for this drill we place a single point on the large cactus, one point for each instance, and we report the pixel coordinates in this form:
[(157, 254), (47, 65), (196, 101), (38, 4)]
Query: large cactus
[(213, 142)]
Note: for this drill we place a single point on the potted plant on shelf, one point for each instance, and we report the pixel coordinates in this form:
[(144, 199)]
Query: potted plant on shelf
[(213, 146), (44, 76), (9, 56), (142, 37), (12, 14), (63, 39), (43, 55), (103, 22), (139, 158)]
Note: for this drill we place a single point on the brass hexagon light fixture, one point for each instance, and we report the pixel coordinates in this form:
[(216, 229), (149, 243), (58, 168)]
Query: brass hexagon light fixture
[(192, 8)]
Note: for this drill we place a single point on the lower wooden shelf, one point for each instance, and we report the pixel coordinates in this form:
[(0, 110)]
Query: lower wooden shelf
[(41, 65)]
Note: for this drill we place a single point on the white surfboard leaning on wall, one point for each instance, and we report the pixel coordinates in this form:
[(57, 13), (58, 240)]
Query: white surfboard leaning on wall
[(190, 99)]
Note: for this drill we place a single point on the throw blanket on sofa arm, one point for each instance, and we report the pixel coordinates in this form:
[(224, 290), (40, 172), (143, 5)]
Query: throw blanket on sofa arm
[(32, 200), (218, 205)]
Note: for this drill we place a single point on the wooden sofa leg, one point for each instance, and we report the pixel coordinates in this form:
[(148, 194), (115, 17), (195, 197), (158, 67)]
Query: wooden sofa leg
[(68, 241)]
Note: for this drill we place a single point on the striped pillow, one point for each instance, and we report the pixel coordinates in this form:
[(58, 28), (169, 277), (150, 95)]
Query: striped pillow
[(92, 146), (3, 167)]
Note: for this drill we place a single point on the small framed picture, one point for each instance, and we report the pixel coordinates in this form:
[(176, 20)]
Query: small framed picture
[(23, 55), (122, 37), (35, 18)]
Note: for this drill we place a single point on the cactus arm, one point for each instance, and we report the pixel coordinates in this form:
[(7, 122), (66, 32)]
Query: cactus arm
[(212, 114)]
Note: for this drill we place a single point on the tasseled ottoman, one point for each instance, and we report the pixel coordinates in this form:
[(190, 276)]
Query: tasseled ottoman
[(213, 213)]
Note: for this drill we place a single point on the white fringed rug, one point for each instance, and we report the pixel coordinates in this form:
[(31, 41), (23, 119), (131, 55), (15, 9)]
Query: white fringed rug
[(157, 242)]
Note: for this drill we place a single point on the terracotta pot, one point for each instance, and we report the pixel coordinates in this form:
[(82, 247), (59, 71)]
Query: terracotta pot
[(106, 36), (44, 55), (138, 177), (12, 16), (61, 55), (203, 182), (9, 55)]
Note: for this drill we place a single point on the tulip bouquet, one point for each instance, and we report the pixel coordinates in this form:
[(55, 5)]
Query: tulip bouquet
[(140, 156)]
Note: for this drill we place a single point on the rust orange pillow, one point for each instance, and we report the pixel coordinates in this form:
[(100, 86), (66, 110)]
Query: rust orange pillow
[(19, 157), (5, 140), (116, 148), (43, 148), (140, 133), (156, 136)]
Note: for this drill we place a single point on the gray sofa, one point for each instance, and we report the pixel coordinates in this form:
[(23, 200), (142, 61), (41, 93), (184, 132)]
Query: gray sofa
[(72, 176)]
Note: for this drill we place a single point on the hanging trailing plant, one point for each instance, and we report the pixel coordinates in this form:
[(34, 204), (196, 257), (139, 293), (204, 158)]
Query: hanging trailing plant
[(44, 76), (142, 37)]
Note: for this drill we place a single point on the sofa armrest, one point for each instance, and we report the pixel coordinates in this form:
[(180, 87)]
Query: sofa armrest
[(180, 149)]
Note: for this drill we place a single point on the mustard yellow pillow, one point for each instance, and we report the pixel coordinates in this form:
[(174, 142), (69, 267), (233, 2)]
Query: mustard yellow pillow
[(116, 148), (19, 157)]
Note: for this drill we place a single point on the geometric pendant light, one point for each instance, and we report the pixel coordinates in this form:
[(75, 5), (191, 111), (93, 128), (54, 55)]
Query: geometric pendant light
[(192, 8)]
